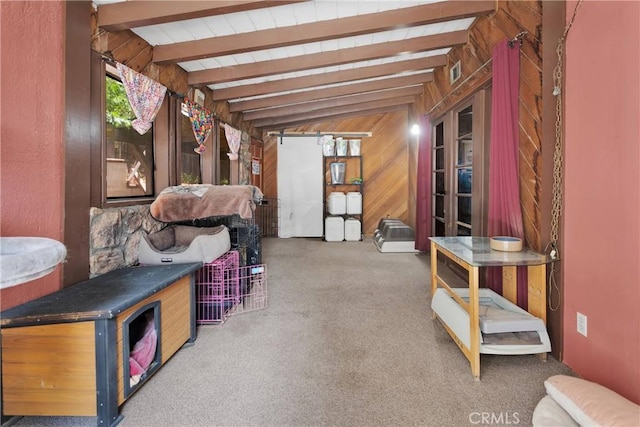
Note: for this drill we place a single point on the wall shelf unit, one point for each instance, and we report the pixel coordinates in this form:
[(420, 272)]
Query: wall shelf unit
[(353, 183)]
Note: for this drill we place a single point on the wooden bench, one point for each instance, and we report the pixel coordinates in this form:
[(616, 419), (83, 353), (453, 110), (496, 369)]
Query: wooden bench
[(66, 354)]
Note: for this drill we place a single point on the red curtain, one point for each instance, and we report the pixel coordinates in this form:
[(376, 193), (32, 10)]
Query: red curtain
[(505, 215), (423, 187)]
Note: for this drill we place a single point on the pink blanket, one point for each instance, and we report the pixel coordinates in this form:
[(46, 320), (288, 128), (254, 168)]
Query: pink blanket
[(144, 351), (190, 202)]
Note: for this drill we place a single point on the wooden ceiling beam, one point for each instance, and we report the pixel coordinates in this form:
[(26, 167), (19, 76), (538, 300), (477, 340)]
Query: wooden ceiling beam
[(331, 117), (326, 59), (318, 115), (316, 94), (319, 31), (334, 102), (130, 14), (328, 78)]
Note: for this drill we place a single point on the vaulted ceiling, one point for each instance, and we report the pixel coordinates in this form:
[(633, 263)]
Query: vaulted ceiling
[(285, 63)]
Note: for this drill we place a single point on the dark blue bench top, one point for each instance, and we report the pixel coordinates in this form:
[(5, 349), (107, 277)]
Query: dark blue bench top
[(103, 297)]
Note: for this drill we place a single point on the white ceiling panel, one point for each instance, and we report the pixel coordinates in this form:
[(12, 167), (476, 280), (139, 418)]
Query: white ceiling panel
[(165, 32)]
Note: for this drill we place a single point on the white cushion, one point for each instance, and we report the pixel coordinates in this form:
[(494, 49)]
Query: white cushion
[(549, 414)]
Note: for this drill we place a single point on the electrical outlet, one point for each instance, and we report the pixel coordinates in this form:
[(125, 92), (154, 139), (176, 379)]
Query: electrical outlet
[(582, 324)]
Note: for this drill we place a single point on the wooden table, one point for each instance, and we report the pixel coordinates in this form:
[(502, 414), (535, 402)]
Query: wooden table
[(474, 253), (67, 353)]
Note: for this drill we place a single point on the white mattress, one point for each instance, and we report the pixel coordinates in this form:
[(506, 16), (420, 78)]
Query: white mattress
[(507, 318), (499, 315)]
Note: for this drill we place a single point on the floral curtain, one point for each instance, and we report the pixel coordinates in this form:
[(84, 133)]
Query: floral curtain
[(201, 122), (145, 96), (505, 215), (423, 187), (234, 137)]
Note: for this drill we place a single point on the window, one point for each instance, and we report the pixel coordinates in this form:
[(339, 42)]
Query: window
[(129, 159), (224, 163), (126, 168), (189, 162), (131, 169)]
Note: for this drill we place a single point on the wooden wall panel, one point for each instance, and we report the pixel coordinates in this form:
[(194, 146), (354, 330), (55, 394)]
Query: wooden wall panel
[(412, 174), (270, 162), (511, 18), (385, 163)]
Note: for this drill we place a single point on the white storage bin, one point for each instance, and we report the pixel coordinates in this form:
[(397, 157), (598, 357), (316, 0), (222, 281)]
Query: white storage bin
[(354, 203), (352, 229), (337, 203), (334, 229), (341, 147), (354, 147)]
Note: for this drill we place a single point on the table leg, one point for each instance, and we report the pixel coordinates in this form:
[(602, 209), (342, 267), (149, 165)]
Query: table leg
[(434, 272), (537, 295), (510, 283), (537, 291), (474, 322)]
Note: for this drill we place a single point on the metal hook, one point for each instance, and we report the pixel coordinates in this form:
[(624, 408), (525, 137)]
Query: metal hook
[(518, 38)]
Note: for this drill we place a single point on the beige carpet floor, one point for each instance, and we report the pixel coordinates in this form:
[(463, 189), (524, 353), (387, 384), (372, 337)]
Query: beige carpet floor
[(347, 339)]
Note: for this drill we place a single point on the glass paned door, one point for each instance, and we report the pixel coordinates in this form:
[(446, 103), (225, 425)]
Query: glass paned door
[(463, 171), (460, 168), (439, 180)]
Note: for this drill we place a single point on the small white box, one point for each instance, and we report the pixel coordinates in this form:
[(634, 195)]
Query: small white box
[(337, 203), (354, 203), (334, 229), (352, 229)]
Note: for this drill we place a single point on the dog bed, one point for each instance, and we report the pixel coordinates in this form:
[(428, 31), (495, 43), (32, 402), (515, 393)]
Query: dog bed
[(182, 244)]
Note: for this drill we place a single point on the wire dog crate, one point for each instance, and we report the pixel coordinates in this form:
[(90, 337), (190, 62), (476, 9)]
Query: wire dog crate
[(267, 215), (225, 288), (217, 288)]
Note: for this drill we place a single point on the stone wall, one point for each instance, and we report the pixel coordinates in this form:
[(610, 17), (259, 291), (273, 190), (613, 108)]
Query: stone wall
[(115, 235)]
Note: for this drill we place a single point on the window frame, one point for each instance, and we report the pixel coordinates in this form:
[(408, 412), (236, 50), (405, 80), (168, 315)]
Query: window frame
[(177, 123), (164, 165), (166, 145)]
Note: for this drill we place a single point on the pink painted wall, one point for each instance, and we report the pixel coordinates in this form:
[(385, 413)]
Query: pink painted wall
[(602, 194), (32, 129)]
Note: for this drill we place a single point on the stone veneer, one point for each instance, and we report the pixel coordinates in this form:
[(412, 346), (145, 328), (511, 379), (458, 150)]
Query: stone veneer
[(115, 234)]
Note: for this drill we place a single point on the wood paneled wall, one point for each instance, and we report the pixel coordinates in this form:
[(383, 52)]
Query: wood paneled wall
[(511, 18), (385, 163), (412, 152)]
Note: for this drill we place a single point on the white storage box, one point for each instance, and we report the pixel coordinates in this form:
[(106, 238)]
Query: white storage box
[(337, 203), (334, 229), (354, 203), (352, 229)]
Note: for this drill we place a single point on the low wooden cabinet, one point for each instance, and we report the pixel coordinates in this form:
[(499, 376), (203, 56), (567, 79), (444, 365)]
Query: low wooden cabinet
[(66, 354)]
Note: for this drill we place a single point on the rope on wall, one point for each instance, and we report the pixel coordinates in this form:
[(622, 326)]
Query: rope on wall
[(556, 204)]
